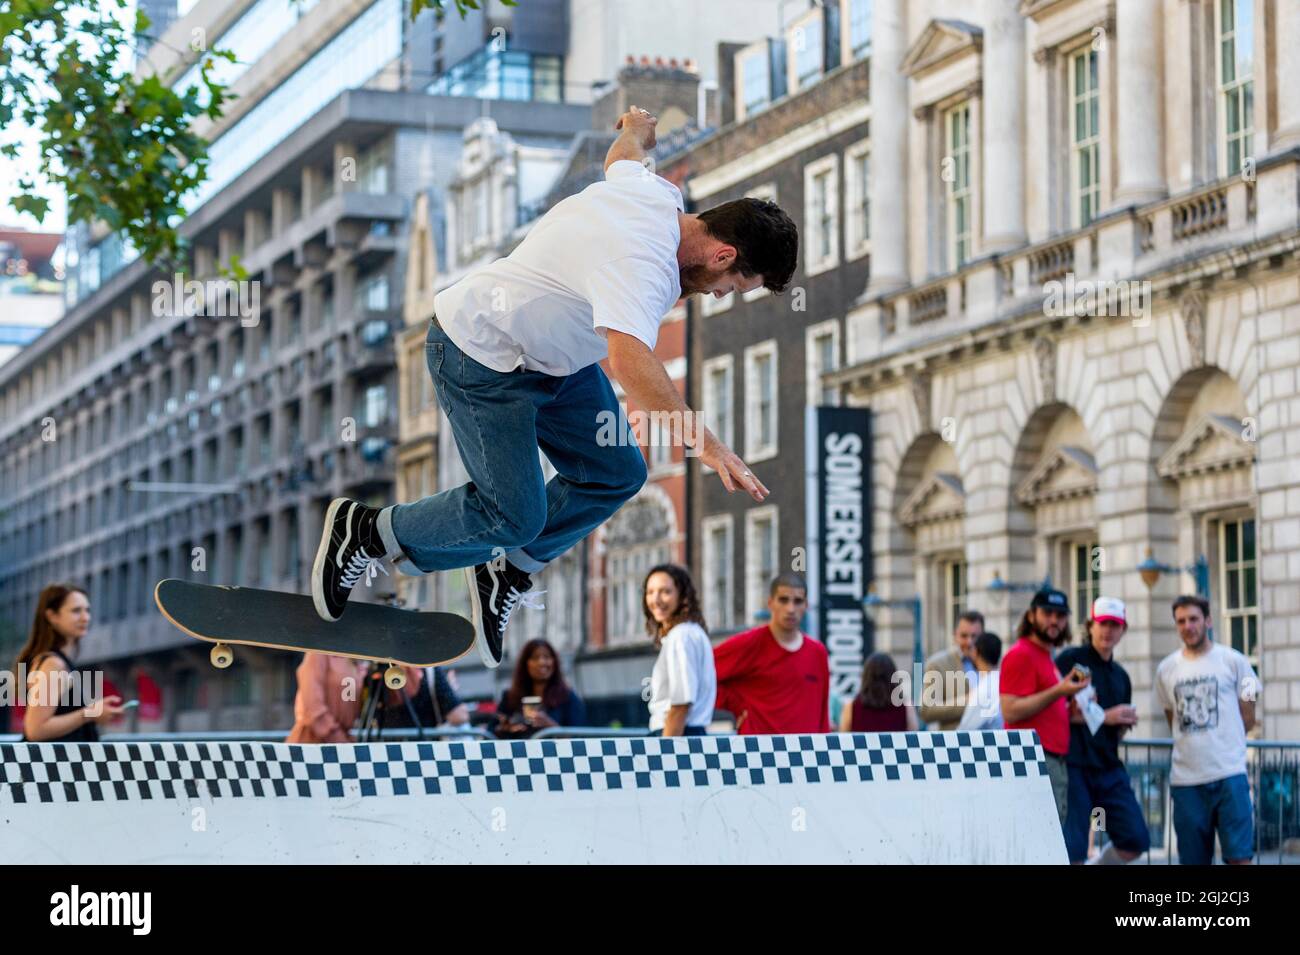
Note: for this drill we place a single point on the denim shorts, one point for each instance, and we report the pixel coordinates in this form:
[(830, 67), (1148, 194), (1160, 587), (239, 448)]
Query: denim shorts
[(1222, 806)]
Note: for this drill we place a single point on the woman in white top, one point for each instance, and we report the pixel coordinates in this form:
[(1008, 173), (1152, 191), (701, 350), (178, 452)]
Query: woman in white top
[(683, 684)]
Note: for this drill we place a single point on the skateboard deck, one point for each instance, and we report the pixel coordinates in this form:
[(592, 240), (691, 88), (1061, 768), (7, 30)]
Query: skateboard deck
[(283, 621)]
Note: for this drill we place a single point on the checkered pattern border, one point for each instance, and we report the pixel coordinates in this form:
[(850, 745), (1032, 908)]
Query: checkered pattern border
[(100, 772)]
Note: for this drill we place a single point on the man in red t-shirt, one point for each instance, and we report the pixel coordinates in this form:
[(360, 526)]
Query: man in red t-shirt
[(1034, 696), (774, 678)]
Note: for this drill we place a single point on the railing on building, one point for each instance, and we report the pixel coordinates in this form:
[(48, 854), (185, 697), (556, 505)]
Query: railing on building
[(1132, 243)]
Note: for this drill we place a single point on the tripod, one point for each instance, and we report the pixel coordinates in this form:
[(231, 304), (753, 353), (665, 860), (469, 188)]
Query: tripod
[(375, 695), (376, 704)]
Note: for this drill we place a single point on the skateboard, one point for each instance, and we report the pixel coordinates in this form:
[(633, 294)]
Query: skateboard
[(282, 621)]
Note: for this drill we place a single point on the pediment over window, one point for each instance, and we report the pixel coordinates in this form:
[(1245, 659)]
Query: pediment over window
[(1035, 8), (939, 497), (940, 42), (1215, 443), (1063, 473)]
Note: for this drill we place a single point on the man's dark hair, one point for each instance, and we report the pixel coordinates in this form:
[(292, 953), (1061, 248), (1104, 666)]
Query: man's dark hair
[(972, 616), (1187, 600), (988, 647), (765, 238), (788, 580)]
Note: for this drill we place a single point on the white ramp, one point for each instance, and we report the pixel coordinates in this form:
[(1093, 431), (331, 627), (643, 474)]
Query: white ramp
[(975, 798)]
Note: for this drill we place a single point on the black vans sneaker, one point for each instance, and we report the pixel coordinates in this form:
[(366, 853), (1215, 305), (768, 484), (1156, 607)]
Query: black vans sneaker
[(350, 548), (496, 590)]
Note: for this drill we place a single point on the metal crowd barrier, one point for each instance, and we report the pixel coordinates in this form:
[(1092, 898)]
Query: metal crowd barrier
[(277, 736), (389, 735), (1273, 768)]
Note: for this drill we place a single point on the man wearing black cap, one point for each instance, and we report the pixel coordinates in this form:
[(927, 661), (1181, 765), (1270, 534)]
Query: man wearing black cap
[(1033, 692)]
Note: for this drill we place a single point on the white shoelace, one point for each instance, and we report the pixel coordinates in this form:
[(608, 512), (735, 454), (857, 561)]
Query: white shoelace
[(358, 566), (515, 599)]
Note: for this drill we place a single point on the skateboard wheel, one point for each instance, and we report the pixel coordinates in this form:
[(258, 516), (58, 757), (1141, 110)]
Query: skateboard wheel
[(222, 656), (395, 678)]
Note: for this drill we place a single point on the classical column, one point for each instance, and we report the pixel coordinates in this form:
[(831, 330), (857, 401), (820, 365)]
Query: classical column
[(889, 117), (1287, 20), (1140, 133), (1004, 126)]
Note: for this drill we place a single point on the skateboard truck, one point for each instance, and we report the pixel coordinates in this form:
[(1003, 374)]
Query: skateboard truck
[(223, 655)]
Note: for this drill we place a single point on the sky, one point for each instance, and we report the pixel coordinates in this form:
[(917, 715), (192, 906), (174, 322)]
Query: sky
[(26, 165)]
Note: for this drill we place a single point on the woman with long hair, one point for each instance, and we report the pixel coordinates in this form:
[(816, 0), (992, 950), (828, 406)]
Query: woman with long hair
[(683, 684), (538, 695), (880, 706), (54, 713)]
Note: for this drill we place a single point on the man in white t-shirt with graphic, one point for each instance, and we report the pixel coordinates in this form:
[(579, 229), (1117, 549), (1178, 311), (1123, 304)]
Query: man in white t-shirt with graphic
[(513, 349), (1208, 692)]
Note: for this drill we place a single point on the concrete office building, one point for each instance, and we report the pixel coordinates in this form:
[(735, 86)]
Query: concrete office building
[(202, 446)]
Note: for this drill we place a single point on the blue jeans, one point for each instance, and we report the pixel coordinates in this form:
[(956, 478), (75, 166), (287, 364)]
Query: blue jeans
[(1223, 805), (1111, 791), (499, 420)]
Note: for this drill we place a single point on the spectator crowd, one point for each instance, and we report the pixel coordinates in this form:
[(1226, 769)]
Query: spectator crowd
[(1073, 694)]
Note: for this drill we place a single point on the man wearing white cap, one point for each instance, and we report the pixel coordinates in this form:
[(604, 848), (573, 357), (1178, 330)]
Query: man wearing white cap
[(1101, 794)]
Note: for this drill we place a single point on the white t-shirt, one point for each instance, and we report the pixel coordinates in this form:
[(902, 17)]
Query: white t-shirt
[(683, 673), (1203, 693), (983, 702), (605, 258)]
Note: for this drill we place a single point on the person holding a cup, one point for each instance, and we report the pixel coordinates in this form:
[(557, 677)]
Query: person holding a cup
[(538, 696), (1101, 794)]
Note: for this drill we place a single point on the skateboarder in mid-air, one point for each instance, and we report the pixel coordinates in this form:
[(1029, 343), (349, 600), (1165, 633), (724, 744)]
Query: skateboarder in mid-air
[(513, 350)]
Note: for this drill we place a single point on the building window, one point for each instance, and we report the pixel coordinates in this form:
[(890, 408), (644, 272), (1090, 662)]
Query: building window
[(806, 44), (627, 572), (857, 211), (1239, 603), (1085, 137), (859, 18), (1084, 567), (821, 191), (495, 72), (659, 449), (760, 401), (957, 153), (755, 78), (376, 406), (718, 556), (293, 548), (711, 305), (822, 354), (719, 397), (761, 558), (1236, 62), (372, 293), (954, 591)]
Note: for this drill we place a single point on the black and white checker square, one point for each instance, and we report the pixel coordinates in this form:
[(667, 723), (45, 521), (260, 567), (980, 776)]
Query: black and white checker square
[(76, 772)]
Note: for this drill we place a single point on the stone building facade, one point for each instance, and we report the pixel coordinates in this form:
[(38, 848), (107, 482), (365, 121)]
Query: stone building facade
[(1080, 341)]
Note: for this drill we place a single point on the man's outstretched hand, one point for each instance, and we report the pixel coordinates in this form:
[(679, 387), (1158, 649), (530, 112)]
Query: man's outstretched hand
[(731, 469), (641, 124)]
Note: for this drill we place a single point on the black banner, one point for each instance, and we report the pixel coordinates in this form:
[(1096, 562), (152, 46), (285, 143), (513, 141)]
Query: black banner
[(839, 524)]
